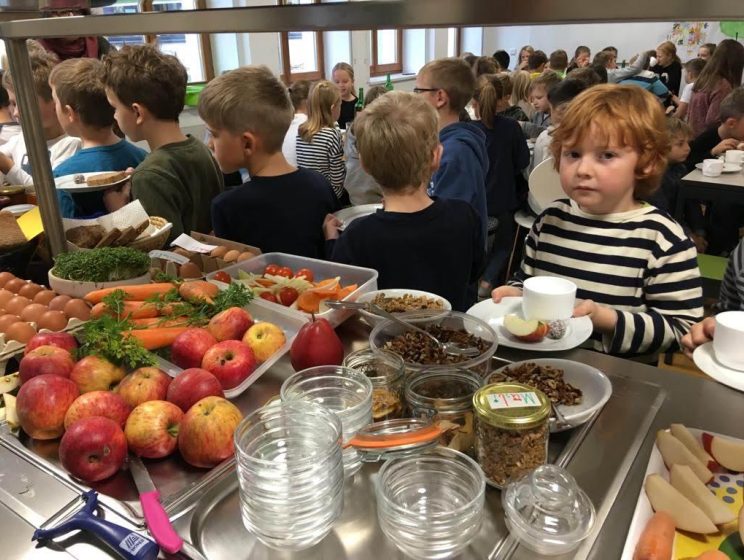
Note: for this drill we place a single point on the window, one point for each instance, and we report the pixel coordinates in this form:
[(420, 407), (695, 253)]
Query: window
[(193, 50), (387, 52), (302, 51), (454, 41)]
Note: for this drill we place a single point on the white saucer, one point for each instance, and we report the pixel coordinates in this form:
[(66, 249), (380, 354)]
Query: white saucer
[(67, 182), (348, 215), (705, 359), (578, 329), (727, 167)]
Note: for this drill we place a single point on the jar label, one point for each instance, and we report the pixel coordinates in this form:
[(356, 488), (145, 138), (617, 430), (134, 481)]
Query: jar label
[(513, 400)]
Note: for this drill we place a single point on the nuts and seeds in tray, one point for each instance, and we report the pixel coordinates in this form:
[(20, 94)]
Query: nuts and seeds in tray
[(547, 379), (406, 302), (417, 348)]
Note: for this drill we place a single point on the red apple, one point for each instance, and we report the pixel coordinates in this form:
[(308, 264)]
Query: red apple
[(93, 448), (229, 361), (98, 403), (144, 384), (316, 344), (42, 404), (94, 373), (264, 339), (152, 429), (207, 430), (189, 347), (230, 324), (59, 339), (45, 360), (192, 385)]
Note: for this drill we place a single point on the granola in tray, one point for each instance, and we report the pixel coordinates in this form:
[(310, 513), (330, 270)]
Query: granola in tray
[(547, 379), (406, 302)]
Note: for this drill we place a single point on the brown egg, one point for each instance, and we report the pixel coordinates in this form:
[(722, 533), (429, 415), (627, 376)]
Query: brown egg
[(44, 297), (17, 304), (5, 277), (7, 320), (30, 290), (78, 309), (20, 331), (245, 255), (15, 284), (218, 251), (33, 312), (5, 297), (53, 321), (189, 270), (58, 303), (231, 256)]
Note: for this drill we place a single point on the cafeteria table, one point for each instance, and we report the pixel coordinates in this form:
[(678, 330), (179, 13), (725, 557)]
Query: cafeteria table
[(727, 187)]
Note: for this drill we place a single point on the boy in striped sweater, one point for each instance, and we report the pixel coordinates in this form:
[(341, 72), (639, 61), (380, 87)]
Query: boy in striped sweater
[(635, 268)]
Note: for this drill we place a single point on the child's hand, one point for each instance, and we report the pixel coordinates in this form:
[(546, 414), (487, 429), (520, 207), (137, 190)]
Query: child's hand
[(728, 144), (699, 334), (330, 226), (6, 163), (603, 318), (505, 291), (701, 244), (117, 197)]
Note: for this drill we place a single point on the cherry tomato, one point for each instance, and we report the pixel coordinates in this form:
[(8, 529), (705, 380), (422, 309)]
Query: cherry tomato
[(285, 271), (222, 276), (272, 269), (305, 273), (268, 296), (287, 296)]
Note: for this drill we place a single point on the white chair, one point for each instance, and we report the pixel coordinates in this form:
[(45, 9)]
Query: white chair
[(545, 186)]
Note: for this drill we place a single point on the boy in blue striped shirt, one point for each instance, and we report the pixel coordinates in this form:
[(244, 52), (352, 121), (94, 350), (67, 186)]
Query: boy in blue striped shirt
[(635, 268)]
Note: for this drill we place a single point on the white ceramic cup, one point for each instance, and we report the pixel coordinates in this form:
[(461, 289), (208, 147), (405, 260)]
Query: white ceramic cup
[(548, 298), (712, 167), (735, 156), (728, 339)]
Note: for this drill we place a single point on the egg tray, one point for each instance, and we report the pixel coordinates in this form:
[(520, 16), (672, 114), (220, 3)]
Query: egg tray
[(8, 348)]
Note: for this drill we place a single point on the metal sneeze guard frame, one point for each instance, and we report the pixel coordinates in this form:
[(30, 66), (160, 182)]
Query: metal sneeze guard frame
[(359, 15)]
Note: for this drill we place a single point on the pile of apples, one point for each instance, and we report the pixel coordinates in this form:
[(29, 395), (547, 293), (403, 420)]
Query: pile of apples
[(230, 347), (101, 413)]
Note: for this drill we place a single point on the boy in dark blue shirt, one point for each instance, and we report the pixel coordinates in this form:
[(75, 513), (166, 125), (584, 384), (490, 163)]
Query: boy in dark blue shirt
[(416, 242), (83, 111), (281, 208)]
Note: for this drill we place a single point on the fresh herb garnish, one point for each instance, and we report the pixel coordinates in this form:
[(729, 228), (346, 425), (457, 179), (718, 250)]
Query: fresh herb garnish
[(107, 264)]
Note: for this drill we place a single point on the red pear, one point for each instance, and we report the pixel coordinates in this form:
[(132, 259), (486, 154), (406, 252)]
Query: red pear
[(317, 344)]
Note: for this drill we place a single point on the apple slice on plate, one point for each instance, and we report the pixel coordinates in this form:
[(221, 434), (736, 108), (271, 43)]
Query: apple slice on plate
[(684, 435), (674, 452), (727, 452), (11, 415), (684, 479), (526, 330), (687, 516)]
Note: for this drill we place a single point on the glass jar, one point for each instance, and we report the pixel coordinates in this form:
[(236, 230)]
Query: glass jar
[(290, 470), (446, 397), (345, 392), (16, 194), (511, 430), (385, 370)]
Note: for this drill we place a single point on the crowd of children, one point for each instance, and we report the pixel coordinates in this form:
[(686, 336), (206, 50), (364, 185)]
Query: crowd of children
[(449, 163)]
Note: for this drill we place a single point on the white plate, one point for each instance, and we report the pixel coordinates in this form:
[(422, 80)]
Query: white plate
[(727, 167), (348, 215), (19, 209), (595, 387), (705, 358), (67, 182), (578, 329), (372, 320)]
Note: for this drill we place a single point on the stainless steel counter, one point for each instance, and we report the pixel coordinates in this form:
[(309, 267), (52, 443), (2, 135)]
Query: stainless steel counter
[(608, 459)]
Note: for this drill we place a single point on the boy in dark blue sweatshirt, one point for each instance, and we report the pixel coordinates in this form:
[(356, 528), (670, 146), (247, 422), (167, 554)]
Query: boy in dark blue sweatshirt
[(448, 85)]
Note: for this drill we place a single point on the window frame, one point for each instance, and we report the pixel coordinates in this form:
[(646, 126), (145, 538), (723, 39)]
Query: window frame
[(375, 69), (458, 42), (287, 75)]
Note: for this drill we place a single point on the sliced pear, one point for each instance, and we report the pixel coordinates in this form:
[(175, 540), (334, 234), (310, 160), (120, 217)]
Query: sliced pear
[(684, 479), (674, 452), (11, 416), (681, 432), (520, 327), (9, 383), (728, 453), (687, 516)]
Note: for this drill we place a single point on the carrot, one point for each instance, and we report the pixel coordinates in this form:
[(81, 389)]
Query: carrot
[(657, 538), (161, 322), (198, 291), (155, 338), (309, 301), (130, 309), (346, 291), (137, 292), (713, 555)]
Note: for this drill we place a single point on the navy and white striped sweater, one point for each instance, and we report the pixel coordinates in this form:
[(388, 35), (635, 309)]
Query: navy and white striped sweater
[(324, 154)]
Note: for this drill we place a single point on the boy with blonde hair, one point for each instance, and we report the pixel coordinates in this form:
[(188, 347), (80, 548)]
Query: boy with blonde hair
[(635, 269), (14, 164), (408, 240), (448, 85), (179, 178), (83, 112), (281, 208)]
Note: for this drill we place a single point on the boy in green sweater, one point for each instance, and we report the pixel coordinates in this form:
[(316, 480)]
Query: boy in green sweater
[(179, 179)]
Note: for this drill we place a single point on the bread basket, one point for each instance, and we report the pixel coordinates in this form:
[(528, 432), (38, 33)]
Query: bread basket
[(149, 243)]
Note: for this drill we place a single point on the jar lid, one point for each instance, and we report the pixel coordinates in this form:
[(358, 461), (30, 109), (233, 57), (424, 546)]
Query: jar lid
[(548, 511), (12, 190), (511, 406), (395, 438)]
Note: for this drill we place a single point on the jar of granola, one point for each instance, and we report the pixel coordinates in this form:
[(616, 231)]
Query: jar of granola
[(511, 430), (385, 370), (445, 395)]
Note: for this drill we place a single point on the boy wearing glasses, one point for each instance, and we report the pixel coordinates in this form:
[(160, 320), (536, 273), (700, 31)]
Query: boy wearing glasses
[(448, 85)]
